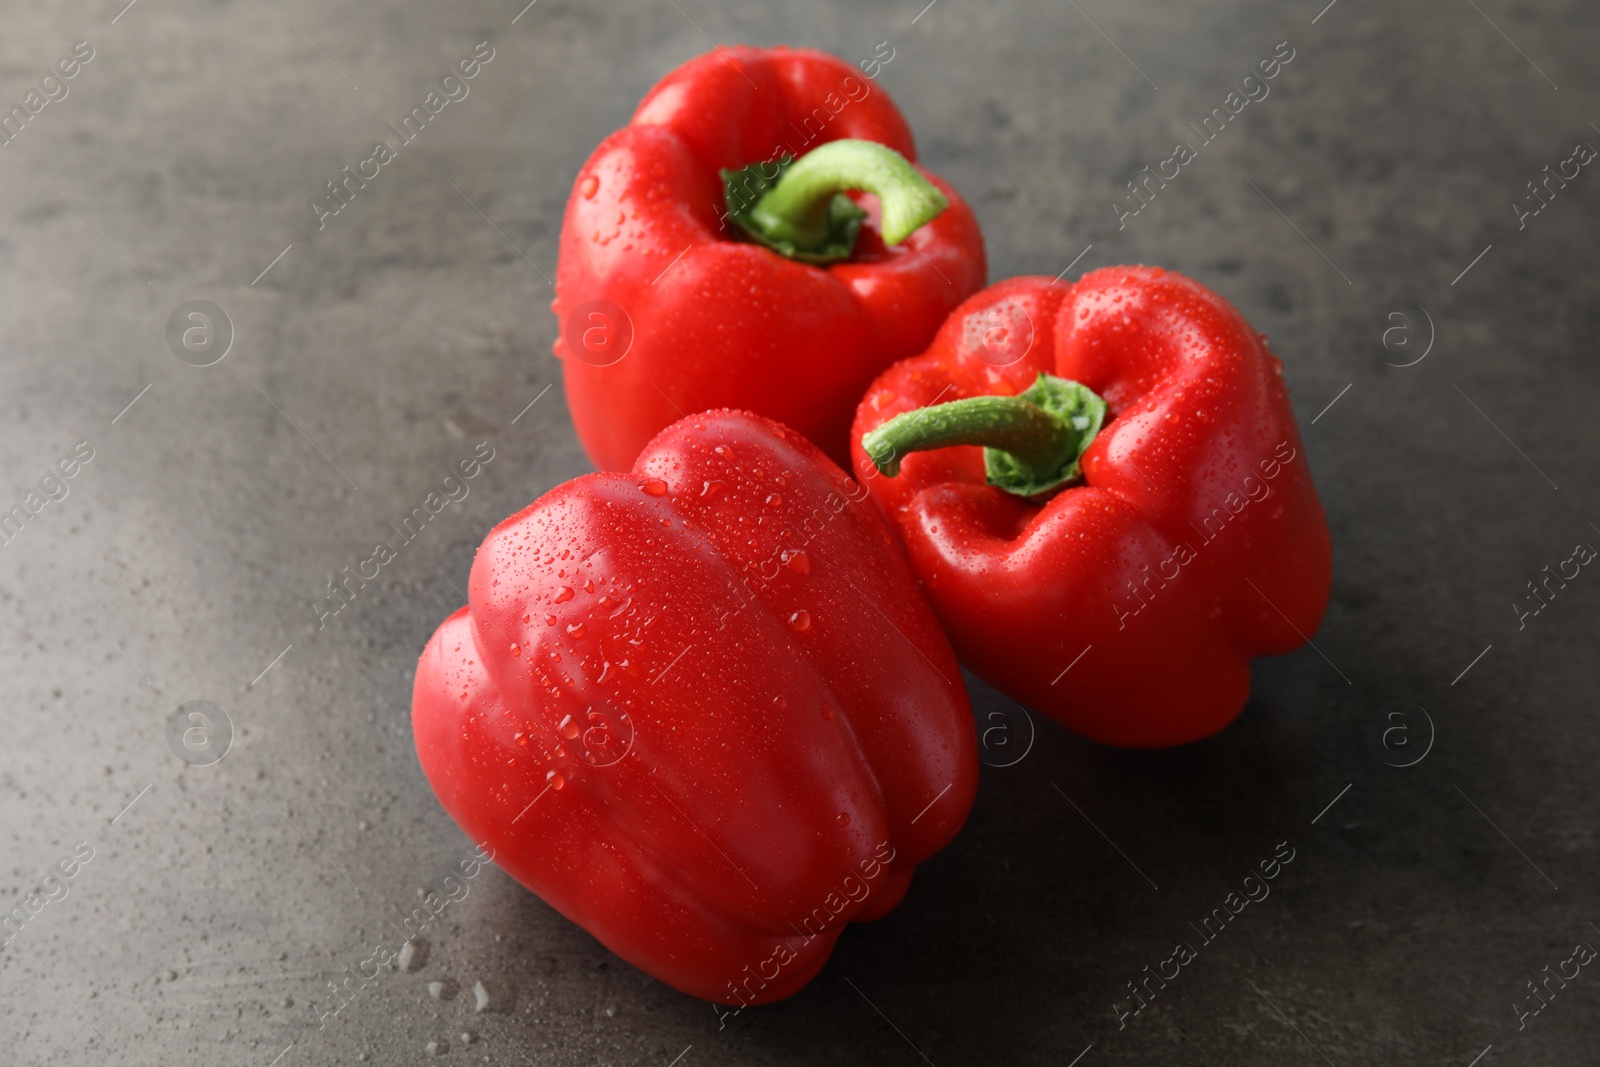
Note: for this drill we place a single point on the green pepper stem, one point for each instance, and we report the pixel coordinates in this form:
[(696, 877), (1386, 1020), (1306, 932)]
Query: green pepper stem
[(1008, 423), (796, 209), (1032, 441)]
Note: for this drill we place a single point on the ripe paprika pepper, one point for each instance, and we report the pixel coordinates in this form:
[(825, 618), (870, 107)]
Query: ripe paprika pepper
[(1117, 577), (714, 254), (701, 709)]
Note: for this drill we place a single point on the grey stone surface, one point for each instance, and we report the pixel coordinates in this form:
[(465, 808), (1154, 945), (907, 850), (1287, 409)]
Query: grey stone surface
[(183, 562)]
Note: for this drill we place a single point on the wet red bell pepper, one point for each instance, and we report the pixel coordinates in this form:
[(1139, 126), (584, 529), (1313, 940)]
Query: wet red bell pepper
[(757, 237), (1103, 490), (702, 709)]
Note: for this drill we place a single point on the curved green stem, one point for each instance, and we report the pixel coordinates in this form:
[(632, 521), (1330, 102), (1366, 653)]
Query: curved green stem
[(802, 213), (1032, 441), (1008, 423)]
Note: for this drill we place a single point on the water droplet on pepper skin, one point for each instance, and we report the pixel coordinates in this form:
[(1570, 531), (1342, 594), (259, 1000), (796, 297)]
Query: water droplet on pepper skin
[(555, 780), (844, 818), (576, 629), (800, 621), (566, 594), (569, 728), (800, 563), (589, 186), (827, 712), (655, 487)]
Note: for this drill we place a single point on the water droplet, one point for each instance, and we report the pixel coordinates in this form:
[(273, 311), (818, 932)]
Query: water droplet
[(588, 585), (569, 728), (566, 594), (827, 712), (713, 488), (655, 487), (800, 563), (775, 501), (516, 650), (576, 629), (589, 186), (549, 620), (555, 780), (844, 818), (522, 740), (780, 702), (800, 621)]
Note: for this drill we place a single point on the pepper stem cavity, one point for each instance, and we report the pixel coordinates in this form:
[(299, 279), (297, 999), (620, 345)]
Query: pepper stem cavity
[(1032, 442), (797, 207)]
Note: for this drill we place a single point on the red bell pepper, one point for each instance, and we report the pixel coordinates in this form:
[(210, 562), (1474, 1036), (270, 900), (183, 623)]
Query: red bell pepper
[(699, 269), (1117, 578), (701, 709)]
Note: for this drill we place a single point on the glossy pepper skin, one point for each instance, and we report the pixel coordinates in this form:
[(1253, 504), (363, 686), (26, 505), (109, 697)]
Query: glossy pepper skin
[(701, 709), (1128, 606), (651, 274)]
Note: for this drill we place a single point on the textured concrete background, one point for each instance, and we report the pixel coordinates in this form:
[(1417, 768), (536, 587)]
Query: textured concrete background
[(375, 354)]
